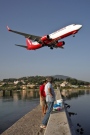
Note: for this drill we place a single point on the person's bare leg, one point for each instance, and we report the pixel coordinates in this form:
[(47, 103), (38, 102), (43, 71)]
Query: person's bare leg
[(43, 108)]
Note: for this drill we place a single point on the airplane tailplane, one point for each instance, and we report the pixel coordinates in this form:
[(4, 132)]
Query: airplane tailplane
[(21, 45)]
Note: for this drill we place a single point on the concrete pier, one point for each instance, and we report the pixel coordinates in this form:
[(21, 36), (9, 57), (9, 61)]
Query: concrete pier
[(59, 122)]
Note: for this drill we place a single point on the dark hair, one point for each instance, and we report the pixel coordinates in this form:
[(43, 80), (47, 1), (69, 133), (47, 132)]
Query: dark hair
[(49, 79), (44, 81)]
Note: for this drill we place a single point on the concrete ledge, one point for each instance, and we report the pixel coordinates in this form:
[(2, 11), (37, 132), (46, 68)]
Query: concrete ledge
[(29, 124), (59, 122)]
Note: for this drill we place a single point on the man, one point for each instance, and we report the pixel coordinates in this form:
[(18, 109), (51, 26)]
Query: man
[(43, 98), (50, 98)]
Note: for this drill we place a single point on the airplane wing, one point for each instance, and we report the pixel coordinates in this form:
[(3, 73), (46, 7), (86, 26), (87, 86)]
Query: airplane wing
[(32, 37)]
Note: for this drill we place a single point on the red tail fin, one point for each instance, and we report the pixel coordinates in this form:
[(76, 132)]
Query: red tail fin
[(28, 43), (32, 45)]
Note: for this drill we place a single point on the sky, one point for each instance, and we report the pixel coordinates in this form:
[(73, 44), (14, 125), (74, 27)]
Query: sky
[(42, 17)]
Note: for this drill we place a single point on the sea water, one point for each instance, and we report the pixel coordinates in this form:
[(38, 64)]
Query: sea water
[(80, 104)]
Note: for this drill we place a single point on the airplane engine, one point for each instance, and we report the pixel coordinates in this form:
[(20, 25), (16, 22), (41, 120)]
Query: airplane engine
[(60, 44), (44, 38)]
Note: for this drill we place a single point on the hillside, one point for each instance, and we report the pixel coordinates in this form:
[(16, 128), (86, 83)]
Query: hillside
[(61, 77)]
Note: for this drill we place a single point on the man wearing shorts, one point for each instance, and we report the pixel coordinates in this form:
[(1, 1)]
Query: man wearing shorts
[(43, 98)]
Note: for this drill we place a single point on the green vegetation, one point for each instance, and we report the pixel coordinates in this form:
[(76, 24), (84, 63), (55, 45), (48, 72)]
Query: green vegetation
[(33, 82), (77, 82)]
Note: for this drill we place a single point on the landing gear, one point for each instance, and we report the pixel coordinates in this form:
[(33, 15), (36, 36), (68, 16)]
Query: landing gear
[(51, 47), (73, 35)]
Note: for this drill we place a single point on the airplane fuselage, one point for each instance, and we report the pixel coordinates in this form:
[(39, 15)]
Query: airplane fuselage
[(66, 31), (60, 34)]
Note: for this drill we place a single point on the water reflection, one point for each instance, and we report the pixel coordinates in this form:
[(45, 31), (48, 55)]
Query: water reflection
[(69, 94), (23, 94), (15, 104), (87, 92), (79, 101)]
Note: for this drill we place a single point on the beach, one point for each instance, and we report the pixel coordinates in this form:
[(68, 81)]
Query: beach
[(29, 124)]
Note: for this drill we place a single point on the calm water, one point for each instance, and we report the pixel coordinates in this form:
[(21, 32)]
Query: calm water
[(80, 104), (14, 105)]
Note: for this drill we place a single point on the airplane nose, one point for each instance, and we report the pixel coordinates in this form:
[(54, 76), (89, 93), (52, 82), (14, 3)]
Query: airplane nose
[(79, 26)]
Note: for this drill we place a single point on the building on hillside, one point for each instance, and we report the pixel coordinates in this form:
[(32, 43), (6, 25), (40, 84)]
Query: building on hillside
[(10, 83), (24, 87), (74, 86), (2, 83), (64, 84), (16, 82), (23, 81), (31, 85)]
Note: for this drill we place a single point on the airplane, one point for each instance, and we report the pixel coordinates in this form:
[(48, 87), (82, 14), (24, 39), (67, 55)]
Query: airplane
[(51, 40)]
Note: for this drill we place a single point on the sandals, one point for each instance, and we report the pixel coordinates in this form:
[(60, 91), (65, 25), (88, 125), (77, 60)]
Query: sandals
[(42, 126)]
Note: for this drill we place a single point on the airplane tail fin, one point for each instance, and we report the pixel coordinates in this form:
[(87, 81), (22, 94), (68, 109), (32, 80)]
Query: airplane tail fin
[(28, 43)]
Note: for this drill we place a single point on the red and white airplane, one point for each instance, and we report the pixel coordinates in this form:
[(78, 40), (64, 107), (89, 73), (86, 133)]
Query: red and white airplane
[(52, 40)]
